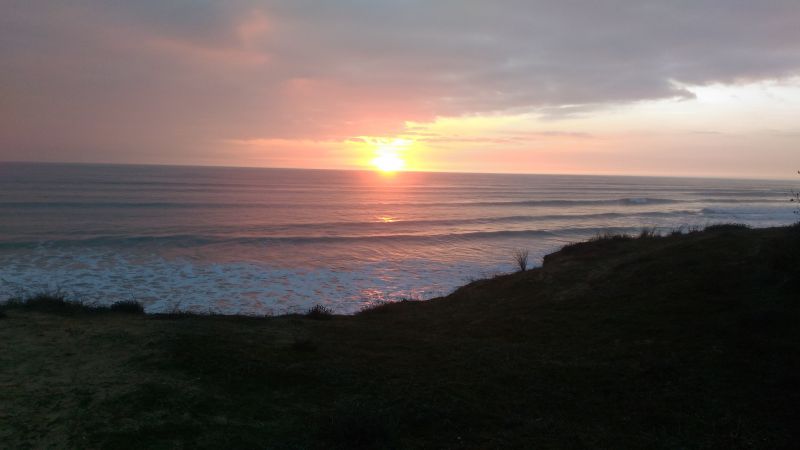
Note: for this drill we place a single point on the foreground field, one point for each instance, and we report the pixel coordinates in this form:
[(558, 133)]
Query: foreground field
[(686, 341)]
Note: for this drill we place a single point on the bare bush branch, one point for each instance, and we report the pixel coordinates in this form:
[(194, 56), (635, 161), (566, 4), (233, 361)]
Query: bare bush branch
[(521, 258)]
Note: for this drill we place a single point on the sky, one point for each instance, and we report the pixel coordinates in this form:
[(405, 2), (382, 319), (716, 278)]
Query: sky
[(638, 87)]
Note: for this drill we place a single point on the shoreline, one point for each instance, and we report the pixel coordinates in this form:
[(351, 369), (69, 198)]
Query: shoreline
[(60, 300)]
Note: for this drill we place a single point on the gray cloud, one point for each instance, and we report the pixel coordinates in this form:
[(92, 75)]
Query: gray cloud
[(108, 77)]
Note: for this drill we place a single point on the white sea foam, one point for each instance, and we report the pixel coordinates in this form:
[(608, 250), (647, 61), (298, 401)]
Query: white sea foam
[(232, 288)]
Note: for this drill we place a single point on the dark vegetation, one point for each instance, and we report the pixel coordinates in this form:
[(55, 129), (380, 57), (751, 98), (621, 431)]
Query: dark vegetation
[(56, 302), (648, 232), (796, 199), (654, 232), (319, 312), (521, 258), (686, 340), (727, 227), (127, 306)]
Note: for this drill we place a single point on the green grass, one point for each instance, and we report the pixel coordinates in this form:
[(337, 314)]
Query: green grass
[(680, 341)]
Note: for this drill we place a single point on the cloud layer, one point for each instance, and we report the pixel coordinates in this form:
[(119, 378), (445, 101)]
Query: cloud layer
[(92, 79)]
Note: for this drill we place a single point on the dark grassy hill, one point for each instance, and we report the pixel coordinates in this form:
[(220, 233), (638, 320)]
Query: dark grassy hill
[(686, 341)]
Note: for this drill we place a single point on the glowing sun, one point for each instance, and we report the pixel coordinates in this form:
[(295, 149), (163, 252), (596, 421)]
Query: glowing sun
[(388, 162), (386, 155)]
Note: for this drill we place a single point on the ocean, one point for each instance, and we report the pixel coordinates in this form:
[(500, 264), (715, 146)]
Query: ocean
[(273, 241)]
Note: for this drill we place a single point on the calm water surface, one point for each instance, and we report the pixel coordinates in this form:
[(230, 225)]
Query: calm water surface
[(272, 241)]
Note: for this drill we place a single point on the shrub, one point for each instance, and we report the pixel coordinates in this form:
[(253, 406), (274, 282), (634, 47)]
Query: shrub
[(727, 227), (677, 231), (796, 199), (648, 232), (609, 236), (521, 258), (376, 306), (56, 302), (45, 300), (319, 312), (127, 307), (52, 302)]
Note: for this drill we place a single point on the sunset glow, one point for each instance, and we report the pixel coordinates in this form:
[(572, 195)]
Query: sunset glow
[(389, 154), (389, 162), (271, 85)]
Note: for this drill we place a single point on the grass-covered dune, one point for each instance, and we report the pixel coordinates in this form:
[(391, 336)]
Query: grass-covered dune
[(685, 341)]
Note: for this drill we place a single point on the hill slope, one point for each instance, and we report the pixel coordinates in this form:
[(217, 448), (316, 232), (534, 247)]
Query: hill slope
[(687, 341)]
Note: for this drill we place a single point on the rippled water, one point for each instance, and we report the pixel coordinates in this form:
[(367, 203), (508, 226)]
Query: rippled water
[(271, 241)]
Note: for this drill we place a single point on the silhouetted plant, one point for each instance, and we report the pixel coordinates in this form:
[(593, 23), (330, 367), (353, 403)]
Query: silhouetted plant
[(319, 312), (727, 227), (376, 306), (796, 199), (648, 232), (57, 302), (609, 236), (52, 302), (521, 258), (127, 306), (694, 229)]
